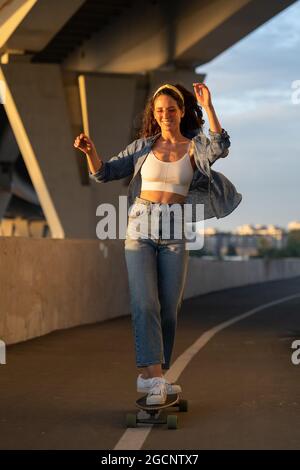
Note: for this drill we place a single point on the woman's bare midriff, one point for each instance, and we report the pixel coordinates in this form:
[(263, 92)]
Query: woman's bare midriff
[(165, 197)]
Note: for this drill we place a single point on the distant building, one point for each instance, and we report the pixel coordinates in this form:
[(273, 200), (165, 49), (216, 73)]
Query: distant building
[(245, 240), (295, 225)]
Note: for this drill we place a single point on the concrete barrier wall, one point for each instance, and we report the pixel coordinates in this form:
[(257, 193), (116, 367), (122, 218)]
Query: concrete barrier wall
[(211, 275), (50, 284)]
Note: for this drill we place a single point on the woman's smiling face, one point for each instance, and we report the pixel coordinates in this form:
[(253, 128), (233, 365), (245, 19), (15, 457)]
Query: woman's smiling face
[(167, 112)]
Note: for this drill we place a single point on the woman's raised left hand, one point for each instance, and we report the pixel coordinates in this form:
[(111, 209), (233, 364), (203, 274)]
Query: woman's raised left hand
[(203, 95)]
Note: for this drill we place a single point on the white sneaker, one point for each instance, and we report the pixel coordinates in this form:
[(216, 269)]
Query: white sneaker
[(144, 385), (158, 393)]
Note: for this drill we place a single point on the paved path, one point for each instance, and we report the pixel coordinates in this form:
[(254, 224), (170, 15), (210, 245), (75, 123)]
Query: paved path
[(62, 391)]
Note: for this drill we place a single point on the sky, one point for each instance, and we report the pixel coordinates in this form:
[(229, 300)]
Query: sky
[(253, 95)]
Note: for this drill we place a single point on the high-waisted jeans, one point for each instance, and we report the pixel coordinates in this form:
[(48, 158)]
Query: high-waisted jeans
[(157, 267)]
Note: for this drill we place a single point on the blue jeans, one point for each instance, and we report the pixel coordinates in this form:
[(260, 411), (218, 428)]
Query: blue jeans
[(157, 268)]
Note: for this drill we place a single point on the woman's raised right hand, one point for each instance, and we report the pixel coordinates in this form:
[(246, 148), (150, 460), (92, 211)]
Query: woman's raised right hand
[(85, 144)]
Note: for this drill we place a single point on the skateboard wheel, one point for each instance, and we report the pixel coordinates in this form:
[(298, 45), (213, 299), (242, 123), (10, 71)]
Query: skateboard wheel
[(183, 405), (172, 422), (130, 420)]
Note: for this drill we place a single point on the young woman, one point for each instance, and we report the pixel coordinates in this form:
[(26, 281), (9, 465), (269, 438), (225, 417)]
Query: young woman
[(170, 165)]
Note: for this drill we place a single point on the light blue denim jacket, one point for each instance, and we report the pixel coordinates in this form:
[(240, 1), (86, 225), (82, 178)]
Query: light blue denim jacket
[(207, 187)]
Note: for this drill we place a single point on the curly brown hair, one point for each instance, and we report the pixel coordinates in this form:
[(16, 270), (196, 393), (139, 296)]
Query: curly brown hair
[(191, 122)]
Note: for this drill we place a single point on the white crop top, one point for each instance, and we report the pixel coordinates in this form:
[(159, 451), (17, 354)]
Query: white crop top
[(173, 177)]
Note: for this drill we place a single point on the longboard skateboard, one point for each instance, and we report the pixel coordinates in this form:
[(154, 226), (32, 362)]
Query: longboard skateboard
[(150, 414)]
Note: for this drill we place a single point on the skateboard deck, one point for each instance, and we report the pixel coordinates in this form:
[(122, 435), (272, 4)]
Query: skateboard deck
[(154, 414)]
